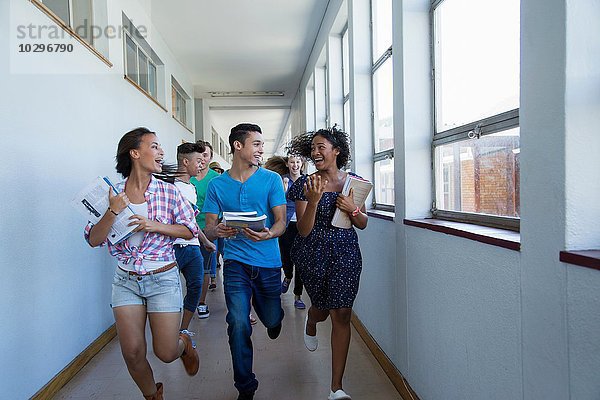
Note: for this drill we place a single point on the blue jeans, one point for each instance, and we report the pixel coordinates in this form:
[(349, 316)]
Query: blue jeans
[(190, 263), (210, 261), (243, 283)]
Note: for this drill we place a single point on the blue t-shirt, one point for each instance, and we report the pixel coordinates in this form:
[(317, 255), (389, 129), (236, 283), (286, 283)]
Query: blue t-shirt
[(260, 193)]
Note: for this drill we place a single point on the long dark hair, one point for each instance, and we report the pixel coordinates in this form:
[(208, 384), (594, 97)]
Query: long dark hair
[(277, 164), (131, 141), (301, 145)]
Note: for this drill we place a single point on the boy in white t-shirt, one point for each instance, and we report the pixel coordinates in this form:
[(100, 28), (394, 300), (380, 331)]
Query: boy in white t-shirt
[(187, 252)]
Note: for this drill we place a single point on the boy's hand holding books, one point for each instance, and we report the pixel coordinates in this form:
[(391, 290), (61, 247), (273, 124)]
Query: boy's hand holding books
[(265, 234), (248, 223), (224, 231)]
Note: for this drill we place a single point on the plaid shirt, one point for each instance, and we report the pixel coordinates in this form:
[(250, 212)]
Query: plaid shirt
[(166, 205)]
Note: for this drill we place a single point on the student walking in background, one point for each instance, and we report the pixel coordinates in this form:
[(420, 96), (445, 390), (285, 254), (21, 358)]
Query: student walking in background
[(252, 263), (215, 166), (200, 181), (290, 169), (328, 258), (294, 165), (187, 252), (146, 282)]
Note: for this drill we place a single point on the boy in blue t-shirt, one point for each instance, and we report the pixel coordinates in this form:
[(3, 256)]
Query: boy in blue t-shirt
[(252, 262)]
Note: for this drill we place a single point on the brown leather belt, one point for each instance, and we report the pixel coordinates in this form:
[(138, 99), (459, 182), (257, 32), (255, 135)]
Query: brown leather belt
[(156, 271)]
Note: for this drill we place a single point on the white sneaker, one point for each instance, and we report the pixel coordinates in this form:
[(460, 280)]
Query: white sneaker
[(203, 311), (338, 395), (311, 342)]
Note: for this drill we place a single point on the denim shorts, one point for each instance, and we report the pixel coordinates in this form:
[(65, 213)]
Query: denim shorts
[(158, 292)]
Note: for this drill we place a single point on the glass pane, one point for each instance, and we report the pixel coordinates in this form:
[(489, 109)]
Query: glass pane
[(215, 140), (382, 26), (60, 8), (131, 59), (347, 116), (383, 97), (152, 79), (173, 101), (82, 19), (346, 63), (180, 107), (476, 60), (143, 70), (310, 107), (182, 110), (384, 182), (480, 175)]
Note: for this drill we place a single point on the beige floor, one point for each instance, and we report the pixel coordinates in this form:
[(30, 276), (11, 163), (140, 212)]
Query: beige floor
[(284, 368)]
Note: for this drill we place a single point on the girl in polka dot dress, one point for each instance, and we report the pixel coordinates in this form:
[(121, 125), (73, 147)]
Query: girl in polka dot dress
[(327, 258)]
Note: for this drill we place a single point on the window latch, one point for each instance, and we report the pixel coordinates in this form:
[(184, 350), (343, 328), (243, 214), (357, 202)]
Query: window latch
[(475, 133)]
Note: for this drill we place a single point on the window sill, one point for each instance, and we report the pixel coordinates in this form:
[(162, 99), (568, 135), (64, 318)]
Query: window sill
[(182, 124), (495, 236), (135, 85), (70, 31), (381, 214), (583, 258)]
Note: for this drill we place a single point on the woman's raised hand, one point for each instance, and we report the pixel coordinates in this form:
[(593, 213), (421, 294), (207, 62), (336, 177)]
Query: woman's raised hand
[(314, 188)]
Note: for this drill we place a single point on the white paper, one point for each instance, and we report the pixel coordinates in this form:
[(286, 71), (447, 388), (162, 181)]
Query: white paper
[(92, 202)]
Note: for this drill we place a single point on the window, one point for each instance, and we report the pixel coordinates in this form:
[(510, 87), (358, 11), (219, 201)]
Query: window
[(215, 140), (310, 104), (476, 101), (383, 101), (179, 101), (346, 78), (141, 62), (222, 148), (140, 67), (320, 102)]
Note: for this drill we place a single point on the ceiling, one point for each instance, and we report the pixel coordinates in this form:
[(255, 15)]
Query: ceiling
[(242, 45)]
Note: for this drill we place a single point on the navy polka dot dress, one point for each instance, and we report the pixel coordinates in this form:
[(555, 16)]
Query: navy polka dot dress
[(328, 260)]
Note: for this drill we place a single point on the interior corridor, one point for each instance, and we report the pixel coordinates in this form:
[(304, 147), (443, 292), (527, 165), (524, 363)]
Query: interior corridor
[(284, 368)]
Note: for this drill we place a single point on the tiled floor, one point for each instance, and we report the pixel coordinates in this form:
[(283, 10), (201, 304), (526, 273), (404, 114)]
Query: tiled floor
[(284, 368)]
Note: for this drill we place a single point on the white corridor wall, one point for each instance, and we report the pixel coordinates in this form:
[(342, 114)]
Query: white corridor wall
[(466, 320), (60, 130)]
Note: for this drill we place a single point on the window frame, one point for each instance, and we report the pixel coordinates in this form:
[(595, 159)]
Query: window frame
[(387, 154), (500, 122)]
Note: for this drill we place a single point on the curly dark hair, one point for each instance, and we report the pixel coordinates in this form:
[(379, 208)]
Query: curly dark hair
[(301, 145)]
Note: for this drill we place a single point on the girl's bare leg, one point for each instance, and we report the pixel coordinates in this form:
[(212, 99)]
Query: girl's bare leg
[(340, 343), (131, 324)]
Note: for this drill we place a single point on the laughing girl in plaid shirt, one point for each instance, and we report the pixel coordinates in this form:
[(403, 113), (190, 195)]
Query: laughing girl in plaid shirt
[(146, 284)]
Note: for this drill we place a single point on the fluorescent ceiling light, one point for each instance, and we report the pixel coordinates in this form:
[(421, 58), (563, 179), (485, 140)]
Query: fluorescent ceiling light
[(260, 93)]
